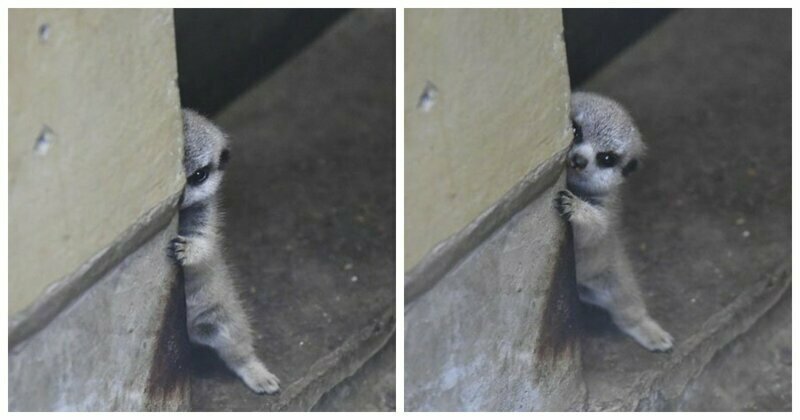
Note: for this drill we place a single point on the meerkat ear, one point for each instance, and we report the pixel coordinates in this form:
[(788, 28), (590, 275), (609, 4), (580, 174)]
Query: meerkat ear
[(630, 167), (223, 159)]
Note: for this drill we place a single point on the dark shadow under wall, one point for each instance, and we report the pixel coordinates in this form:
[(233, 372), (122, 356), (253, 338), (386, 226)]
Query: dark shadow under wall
[(595, 36), (222, 52), (169, 372)]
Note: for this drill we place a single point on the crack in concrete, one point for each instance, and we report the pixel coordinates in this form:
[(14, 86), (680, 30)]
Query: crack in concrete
[(661, 390)]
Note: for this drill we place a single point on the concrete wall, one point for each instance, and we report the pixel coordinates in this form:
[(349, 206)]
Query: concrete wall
[(499, 332), (486, 101), (94, 135), (120, 346), (96, 310), (491, 317)]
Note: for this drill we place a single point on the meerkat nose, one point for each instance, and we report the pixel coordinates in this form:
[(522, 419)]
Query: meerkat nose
[(578, 162)]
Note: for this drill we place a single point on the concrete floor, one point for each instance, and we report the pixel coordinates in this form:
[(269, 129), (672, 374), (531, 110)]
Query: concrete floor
[(753, 373), (372, 388), (310, 210), (709, 214)]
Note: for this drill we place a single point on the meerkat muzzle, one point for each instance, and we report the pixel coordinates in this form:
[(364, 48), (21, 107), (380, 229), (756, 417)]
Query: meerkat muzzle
[(577, 161)]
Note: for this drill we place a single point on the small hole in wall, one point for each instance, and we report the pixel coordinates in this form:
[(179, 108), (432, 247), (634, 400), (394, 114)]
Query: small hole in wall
[(44, 32), (44, 140), (428, 97)]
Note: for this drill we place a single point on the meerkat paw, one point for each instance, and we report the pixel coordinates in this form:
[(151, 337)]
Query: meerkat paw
[(186, 251), (650, 335), (177, 249), (259, 378), (565, 204)]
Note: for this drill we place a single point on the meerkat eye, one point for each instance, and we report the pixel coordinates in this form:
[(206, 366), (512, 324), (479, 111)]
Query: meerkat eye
[(199, 176), (577, 133), (607, 159)]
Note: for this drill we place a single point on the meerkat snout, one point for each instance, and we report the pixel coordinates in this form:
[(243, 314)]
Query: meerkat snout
[(577, 161)]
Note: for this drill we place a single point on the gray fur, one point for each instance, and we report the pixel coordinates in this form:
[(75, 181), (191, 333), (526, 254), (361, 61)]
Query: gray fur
[(194, 218), (592, 206), (215, 316)]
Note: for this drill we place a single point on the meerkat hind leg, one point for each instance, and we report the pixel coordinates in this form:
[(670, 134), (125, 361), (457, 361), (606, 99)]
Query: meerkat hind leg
[(235, 349), (630, 315), (648, 333), (247, 366), (588, 295)]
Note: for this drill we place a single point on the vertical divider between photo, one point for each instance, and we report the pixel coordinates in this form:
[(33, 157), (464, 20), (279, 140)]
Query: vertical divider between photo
[(400, 208)]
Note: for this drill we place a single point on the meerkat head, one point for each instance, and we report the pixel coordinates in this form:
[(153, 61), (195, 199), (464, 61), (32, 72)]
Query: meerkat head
[(204, 159), (606, 147)]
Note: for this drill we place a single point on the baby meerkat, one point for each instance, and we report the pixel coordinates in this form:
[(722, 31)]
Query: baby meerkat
[(606, 148), (215, 316)]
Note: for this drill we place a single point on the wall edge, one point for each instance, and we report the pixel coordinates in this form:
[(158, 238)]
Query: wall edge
[(446, 254), (63, 292)]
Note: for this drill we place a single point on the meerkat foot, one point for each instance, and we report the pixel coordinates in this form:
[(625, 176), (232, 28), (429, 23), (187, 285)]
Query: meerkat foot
[(651, 336), (259, 378), (565, 204)]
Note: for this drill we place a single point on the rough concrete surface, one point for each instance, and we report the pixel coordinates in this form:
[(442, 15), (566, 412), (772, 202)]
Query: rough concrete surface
[(62, 293), (372, 388), (753, 373), (708, 216), (451, 251), (101, 352), (496, 333), (310, 216)]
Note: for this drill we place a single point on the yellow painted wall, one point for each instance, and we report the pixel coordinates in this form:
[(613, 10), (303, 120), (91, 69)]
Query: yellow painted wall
[(103, 84), (497, 105)]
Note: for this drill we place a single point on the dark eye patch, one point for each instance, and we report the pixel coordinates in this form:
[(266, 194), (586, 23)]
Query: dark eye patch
[(607, 159), (199, 176), (577, 133)]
